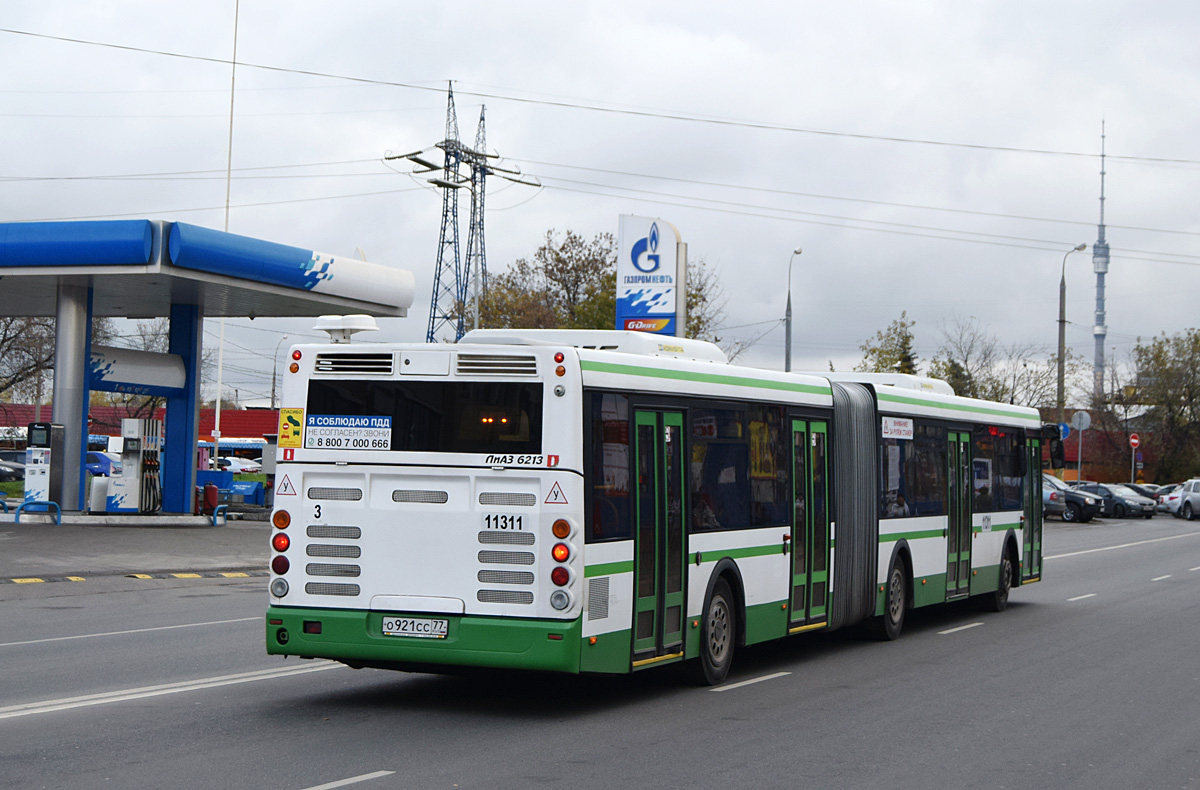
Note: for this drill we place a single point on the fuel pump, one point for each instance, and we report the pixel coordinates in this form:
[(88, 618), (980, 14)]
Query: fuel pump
[(138, 488), (44, 457)]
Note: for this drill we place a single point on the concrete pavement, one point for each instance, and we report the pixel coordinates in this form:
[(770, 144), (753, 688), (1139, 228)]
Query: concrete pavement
[(53, 552)]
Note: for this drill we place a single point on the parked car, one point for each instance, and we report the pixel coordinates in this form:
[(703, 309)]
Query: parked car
[(238, 465), (1058, 498), (12, 455), (16, 464), (1168, 498), (10, 472), (1145, 489), (1120, 501), (1188, 504), (103, 464)]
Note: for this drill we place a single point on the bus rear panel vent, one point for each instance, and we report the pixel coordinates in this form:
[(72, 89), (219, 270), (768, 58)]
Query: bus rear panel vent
[(496, 365), (381, 364)]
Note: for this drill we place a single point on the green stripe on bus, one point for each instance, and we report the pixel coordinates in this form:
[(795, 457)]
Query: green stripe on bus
[(914, 535), (608, 568), (708, 378), (908, 401), (997, 528)]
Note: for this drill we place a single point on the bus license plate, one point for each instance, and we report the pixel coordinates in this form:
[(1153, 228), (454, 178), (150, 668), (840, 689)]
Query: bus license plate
[(421, 627)]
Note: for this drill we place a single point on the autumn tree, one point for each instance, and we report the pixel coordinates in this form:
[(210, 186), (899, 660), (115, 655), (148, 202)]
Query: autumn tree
[(977, 365), (891, 350)]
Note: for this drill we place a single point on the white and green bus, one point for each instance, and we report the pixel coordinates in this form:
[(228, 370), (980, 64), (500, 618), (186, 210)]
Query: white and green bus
[(607, 502)]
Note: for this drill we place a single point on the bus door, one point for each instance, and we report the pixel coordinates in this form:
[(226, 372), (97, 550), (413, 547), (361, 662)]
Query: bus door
[(958, 530), (1031, 567), (810, 526), (659, 560)]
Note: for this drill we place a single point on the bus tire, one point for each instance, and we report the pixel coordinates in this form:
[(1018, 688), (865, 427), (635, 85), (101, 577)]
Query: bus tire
[(718, 635), (895, 601), (998, 601)]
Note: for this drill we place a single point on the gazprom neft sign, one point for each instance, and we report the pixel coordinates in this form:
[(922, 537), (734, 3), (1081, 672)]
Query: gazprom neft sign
[(651, 272)]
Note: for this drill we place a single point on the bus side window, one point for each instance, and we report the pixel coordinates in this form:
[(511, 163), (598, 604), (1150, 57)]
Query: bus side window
[(609, 467)]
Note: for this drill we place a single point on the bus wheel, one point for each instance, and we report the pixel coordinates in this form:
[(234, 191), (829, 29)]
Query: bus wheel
[(895, 603), (998, 600), (718, 635)]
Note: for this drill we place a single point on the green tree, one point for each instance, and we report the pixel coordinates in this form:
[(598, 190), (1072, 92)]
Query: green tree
[(891, 350), (1168, 382)]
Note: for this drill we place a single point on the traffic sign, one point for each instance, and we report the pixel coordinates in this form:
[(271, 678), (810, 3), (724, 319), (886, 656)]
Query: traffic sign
[(1133, 440), (1064, 430), (1081, 420)]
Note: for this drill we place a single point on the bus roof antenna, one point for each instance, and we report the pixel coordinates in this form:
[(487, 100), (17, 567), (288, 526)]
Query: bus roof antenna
[(341, 327)]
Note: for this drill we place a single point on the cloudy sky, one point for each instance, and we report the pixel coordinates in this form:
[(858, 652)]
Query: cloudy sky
[(933, 157)]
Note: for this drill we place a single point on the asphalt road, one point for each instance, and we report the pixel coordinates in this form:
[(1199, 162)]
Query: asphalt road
[(1091, 679)]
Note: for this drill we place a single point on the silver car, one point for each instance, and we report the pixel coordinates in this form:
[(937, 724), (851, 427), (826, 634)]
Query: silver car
[(1187, 505)]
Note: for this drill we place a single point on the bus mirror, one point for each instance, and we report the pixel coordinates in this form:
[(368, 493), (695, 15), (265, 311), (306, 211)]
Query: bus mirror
[(1057, 460)]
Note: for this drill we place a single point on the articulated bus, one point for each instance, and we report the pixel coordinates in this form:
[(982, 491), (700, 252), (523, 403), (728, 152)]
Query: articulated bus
[(607, 502)]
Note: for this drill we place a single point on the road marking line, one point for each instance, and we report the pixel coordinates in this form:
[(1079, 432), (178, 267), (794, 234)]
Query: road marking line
[(960, 628), (1160, 578), (749, 682), (1122, 546), (1197, 568), (1081, 597), (352, 780), (68, 703), (131, 631)]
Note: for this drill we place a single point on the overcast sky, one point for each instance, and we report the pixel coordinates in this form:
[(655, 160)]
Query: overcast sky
[(934, 157)]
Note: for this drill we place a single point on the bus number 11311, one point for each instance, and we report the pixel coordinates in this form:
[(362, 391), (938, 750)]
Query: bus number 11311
[(500, 521)]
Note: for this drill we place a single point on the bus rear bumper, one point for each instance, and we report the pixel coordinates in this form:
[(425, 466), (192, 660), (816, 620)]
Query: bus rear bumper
[(356, 637)]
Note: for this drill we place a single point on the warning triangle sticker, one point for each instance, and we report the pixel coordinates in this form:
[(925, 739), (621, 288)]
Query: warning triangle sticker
[(556, 496), (286, 488)]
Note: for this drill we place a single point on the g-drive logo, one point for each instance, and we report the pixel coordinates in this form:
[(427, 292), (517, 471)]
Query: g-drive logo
[(645, 258)]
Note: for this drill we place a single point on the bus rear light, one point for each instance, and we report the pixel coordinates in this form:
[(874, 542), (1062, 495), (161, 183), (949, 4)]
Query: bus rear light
[(559, 357), (281, 519), (279, 588), (280, 565), (296, 355), (560, 371), (280, 542), (293, 368), (561, 552), (561, 576), (312, 626), (561, 528), (560, 599)]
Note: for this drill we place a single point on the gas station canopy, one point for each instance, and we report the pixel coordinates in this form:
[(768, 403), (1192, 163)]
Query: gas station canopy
[(149, 269), (139, 268)]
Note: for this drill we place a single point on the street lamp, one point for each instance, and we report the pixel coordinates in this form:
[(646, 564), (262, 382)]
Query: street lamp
[(275, 368), (787, 316), (1062, 331)]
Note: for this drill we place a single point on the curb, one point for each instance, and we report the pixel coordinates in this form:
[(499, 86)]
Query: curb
[(198, 575)]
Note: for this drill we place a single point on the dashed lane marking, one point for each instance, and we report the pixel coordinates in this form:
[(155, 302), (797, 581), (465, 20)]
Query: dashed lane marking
[(749, 682), (960, 628), (1160, 578), (353, 780), (1081, 597)]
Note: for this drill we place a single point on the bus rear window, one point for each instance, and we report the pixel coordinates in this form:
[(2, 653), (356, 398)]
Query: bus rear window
[(441, 416)]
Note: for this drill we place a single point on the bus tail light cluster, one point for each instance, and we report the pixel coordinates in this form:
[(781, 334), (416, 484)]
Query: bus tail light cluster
[(280, 542), (561, 574)]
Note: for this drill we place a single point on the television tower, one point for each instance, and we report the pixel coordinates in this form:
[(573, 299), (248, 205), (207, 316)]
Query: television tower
[(1100, 264)]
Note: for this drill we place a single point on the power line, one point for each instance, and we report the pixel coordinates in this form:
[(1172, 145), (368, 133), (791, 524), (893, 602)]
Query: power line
[(581, 105)]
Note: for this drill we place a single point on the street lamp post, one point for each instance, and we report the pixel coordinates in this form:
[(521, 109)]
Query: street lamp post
[(1062, 332), (275, 369), (787, 316)]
